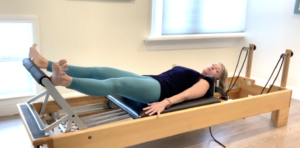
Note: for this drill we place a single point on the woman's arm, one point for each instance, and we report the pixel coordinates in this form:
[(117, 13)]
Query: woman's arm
[(196, 91)]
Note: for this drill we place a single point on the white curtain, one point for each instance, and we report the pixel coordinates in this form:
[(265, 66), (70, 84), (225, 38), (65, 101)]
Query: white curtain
[(15, 40), (203, 16)]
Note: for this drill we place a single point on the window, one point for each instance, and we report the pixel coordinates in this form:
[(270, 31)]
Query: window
[(195, 23), (203, 16), (17, 34)]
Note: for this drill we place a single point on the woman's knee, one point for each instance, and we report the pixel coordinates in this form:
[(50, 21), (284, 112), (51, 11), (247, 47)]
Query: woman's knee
[(99, 72)]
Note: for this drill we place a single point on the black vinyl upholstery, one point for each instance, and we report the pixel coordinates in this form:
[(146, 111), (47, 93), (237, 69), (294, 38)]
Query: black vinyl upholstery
[(135, 109), (211, 80), (35, 71), (31, 123)]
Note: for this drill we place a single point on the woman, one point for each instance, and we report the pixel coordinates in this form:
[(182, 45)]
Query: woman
[(159, 91)]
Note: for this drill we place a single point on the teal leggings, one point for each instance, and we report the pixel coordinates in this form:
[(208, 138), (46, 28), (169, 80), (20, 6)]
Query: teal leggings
[(102, 81)]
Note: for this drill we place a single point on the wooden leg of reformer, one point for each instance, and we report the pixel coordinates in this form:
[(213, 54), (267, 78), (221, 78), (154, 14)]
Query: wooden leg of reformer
[(280, 117), (274, 115)]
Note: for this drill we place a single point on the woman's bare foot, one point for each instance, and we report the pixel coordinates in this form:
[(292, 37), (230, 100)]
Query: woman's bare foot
[(63, 64), (36, 58), (59, 77)]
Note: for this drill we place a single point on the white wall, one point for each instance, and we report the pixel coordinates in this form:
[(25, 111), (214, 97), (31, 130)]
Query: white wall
[(273, 27), (107, 33)]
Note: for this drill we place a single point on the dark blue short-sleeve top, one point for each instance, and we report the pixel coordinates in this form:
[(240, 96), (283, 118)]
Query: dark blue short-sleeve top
[(176, 80)]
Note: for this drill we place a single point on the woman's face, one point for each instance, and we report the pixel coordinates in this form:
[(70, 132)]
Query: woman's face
[(213, 69)]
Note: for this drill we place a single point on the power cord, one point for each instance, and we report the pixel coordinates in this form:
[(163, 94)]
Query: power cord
[(215, 139), (225, 96)]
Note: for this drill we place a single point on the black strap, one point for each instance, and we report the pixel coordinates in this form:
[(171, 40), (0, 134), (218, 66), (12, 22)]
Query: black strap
[(281, 58), (231, 86), (223, 93)]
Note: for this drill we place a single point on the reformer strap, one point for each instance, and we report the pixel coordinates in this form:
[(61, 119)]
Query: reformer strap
[(36, 72)]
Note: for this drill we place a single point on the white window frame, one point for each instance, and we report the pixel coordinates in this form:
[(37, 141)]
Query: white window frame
[(157, 41), (35, 28)]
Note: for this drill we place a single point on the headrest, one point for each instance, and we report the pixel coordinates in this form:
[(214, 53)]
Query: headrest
[(211, 80)]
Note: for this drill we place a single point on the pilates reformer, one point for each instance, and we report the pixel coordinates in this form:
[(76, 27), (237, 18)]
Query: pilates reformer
[(92, 121)]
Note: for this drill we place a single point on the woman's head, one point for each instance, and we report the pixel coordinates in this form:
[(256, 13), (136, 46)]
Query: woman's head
[(218, 71)]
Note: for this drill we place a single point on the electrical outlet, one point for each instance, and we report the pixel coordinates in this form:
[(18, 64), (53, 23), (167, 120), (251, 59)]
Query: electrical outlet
[(248, 82), (173, 65)]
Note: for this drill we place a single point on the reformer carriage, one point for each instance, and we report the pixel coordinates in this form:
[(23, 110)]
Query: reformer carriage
[(94, 122)]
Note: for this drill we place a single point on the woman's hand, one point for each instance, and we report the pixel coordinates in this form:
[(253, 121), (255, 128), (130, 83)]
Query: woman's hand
[(156, 107)]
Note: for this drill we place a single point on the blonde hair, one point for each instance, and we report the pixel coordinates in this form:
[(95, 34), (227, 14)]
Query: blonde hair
[(223, 77)]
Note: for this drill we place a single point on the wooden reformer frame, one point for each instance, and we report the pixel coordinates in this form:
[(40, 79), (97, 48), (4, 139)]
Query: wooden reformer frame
[(128, 133)]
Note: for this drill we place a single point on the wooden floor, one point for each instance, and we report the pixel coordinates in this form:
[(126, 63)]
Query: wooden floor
[(253, 132), (13, 133)]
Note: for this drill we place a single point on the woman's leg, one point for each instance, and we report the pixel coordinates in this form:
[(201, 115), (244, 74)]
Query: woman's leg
[(99, 73), (140, 89)]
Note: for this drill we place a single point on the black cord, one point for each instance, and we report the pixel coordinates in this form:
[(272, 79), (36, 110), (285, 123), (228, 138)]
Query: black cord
[(281, 58), (215, 139), (230, 87)]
